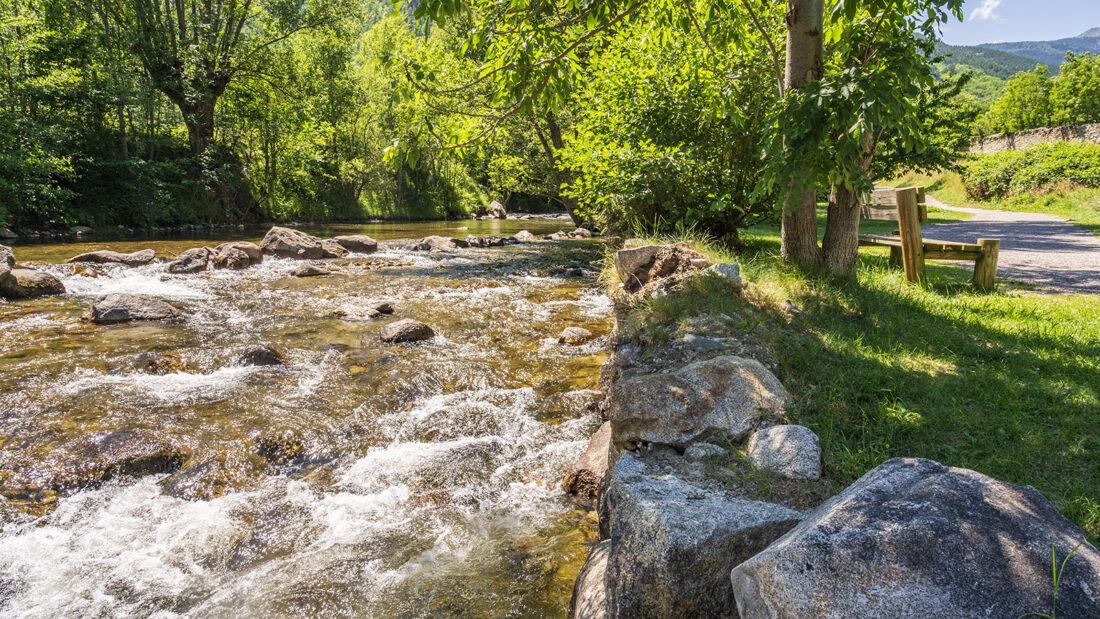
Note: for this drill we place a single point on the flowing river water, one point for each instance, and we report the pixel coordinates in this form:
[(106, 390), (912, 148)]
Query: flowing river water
[(360, 479)]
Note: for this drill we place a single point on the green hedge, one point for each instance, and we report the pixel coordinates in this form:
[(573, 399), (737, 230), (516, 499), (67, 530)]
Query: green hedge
[(1034, 169)]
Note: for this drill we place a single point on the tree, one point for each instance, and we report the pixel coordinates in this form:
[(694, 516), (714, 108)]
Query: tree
[(1024, 104), (1075, 93)]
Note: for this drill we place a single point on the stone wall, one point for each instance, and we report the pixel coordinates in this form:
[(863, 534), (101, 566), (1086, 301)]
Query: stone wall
[(1022, 139)]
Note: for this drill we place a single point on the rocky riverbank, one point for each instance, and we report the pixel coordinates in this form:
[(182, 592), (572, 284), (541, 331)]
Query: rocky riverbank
[(711, 504)]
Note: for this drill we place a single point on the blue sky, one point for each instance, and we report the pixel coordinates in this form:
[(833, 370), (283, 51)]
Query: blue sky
[(991, 21)]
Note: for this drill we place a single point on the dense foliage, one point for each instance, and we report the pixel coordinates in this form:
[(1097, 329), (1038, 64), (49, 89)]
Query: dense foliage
[(1034, 99), (1034, 169)]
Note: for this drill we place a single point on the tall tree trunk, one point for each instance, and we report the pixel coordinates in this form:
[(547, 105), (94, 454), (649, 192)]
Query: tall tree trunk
[(199, 118), (805, 21), (841, 244)]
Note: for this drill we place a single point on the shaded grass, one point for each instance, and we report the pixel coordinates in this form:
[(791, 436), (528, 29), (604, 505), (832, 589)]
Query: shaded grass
[(1077, 204), (1004, 383)]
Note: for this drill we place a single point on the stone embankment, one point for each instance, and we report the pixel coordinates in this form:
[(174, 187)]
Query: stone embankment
[(1023, 139), (686, 530)]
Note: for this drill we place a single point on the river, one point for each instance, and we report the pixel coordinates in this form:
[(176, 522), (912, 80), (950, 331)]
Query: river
[(360, 479)]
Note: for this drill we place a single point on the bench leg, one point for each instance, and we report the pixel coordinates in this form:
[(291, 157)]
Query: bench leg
[(985, 267)]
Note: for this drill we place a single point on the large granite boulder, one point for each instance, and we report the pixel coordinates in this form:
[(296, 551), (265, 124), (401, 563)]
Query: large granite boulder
[(194, 260), (106, 256), (227, 255), (357, 243), (7, 261), (638, 266), (582, 480), (118, 308), (673, 543), (29, 284), (914, 538), (406, 331), (791, 451), (288, 243), (720, 397)]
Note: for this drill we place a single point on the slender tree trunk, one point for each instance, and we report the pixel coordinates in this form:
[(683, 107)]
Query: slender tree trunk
[(805, 21), (842, 232)]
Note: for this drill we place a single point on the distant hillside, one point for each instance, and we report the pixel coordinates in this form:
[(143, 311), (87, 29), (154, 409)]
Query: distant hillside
[(1051, 52), (993, 62)]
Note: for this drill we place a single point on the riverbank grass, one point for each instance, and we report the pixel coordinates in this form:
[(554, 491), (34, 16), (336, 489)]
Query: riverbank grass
[(1003, 383)]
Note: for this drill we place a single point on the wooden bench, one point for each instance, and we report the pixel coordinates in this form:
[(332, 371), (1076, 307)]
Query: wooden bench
[(883, 205), (909, 249)]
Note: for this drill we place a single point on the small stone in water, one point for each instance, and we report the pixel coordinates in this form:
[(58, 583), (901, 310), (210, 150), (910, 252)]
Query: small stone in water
[(310, 270), (575, 336), (406, 331), (262, 355)]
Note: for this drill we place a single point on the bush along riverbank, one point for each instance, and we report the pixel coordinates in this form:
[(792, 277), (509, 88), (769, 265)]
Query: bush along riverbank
[(712, 503)]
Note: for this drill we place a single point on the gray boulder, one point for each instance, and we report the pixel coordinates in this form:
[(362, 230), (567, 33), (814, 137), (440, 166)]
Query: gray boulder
[(358, 243), (581, 233), (406, 331), (117, 308), (81, 230), (310, 270), (638, 266), (575, 336), (582, 480), (590, 591), (7, 234), (524, 236), (7, 261), (252, 250), (231, 258), (369, 311), (729, 271), (914, 538), (106, 256), (792, 451), (724, 396), (673, 543), (497, 211), (332, 249), (195, 260), (439, 244), (29, 284), (289, 243)]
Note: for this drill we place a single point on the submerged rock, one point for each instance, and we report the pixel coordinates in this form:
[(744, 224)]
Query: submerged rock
[(357, 243), (792, 451), (590, 591), (673, 543), (156, 364), (575, 336), (119, 308), (914, 538), (333, 249), (310, 270), (582, 480), (106, 256), (195, 260), (29, 284), (406, 331), (369, 311), (720, 397), (439, 244), (289, 243), (638, 266), (262, 355)]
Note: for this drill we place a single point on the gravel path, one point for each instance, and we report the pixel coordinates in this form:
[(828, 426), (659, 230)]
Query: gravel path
[(1045, 251)]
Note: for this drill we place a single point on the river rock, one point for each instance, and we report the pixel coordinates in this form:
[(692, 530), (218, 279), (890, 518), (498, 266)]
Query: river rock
[(252, 250), (332, 249), (29, 284), (720, 397), (582, 480), (581, 233), (575, 336), (195, 260), (289, 243), (485, 241), (351, 311), (729, 271), (914, 538), (80, 230), (406, 331), (439, 244), (156, 364), (524, 236), (7, 234), (673, 543), (792, 451), (497, 210), (310, 270), (231, 258), (590, 591), (7, 261), (358, 243), (638, 266), (118, 308), (262, 356), (106, 256)]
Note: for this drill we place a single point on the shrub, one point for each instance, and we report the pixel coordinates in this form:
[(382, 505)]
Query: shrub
[(1036, 169)]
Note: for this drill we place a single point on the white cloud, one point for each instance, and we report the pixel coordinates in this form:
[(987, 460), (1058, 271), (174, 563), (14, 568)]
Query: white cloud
[(987, 11)]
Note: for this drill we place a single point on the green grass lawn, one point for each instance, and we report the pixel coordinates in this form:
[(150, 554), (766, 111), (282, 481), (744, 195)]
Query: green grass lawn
[(1079, 205), (1006, 383)]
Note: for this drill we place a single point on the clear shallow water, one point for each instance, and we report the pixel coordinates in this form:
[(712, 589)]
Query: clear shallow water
[(361, 479)]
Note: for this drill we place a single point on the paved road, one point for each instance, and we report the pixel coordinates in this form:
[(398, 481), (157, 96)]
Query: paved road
[(1045, 251)]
